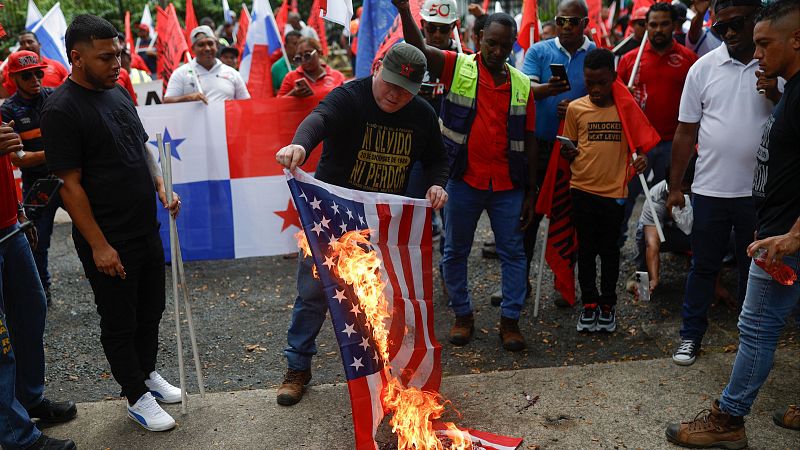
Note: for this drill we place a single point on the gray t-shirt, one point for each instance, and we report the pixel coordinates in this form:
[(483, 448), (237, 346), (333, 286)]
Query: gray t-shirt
[(659, 194)]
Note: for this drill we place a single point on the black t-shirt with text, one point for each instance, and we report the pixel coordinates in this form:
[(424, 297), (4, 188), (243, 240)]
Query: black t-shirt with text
[(99, 132), (371, 150), (776, 184)]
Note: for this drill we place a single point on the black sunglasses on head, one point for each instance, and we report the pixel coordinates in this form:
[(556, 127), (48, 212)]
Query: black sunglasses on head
[(304, 57), (27, 76), (736, 24), (432, 28), (573, 21)]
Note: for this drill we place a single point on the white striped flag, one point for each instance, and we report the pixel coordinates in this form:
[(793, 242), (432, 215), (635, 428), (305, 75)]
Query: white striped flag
[(400, 234), (262, 40)]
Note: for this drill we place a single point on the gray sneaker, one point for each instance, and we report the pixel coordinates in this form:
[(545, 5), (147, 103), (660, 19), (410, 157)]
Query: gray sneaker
[(607, 320), (588, 319)]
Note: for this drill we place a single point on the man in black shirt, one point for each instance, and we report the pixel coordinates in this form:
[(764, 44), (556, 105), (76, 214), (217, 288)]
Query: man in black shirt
[(23, 108), (96, 144), (374, 129), (771, 295)]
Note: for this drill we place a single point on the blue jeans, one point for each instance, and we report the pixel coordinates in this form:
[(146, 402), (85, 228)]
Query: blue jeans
[(24, 307), (657, 161), (767, 306), (308, 315), (44, 228), (463, 209), (713, 220)]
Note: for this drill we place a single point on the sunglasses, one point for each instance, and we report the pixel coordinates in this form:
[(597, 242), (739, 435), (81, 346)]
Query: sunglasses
[(642, 23), (305, 57), (736, 24), (432, 28), (573, 21), (27, 76)]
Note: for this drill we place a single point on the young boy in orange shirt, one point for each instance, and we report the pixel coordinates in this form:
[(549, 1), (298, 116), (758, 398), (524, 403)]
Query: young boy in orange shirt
[(598, 188)]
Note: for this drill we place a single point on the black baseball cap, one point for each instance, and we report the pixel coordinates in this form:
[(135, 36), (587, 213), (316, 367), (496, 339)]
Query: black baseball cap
[(404, 65)]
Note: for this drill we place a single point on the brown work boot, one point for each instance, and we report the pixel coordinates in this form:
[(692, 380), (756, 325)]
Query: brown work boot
[(510, 335), (710, 428), (293, 386), (787, 417), (462, 330)]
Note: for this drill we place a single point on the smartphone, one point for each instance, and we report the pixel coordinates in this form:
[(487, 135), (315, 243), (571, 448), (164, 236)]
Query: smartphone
[(558, 70), (302, 82), (642, 285), (566, 142), (41, 194)]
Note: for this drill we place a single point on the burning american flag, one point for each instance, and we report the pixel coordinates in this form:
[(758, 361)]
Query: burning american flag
[(373, 255)]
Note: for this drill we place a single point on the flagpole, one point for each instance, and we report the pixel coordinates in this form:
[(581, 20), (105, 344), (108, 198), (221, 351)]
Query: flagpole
[(193, 69), (188, 309), (646, 189), (540, 269), (164, 152), (457, 38), (622, 43)]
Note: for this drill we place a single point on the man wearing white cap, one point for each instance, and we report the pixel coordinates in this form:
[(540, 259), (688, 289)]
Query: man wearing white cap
[(438, 23), (217, 81)]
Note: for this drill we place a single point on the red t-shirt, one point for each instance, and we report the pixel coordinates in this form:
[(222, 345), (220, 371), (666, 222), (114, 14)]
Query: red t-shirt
[(659, 83), (54, 76), (124, 80), (8, 194), (487, 144), (326, 83)]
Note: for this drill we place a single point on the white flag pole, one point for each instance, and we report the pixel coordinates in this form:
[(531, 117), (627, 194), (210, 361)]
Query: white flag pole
[(646, 189), (164, 152), (193, 70), (540, 269)]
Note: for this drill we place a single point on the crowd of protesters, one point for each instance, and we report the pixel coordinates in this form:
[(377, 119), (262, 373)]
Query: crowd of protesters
[(720, 93)]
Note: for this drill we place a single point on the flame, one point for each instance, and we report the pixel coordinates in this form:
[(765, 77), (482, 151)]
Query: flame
[(413, 410)]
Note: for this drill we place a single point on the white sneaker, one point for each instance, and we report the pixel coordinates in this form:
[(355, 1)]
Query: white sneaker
[(161, 389), (147, 413)]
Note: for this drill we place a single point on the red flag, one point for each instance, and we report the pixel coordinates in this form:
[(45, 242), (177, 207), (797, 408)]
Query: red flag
[(638, 131), (529, 29), (486, 7), (316, 22), (294, 7), (241, 34), (554, 201), (259, 83), (171, 43), (282, 17), (191, 23), (128, 35)]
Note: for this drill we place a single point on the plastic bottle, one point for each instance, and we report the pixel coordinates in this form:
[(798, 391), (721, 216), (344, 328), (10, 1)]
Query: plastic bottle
[(779, 271)]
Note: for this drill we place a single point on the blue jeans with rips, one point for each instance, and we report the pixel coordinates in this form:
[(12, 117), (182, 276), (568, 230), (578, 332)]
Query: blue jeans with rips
[(462, 211), (767, 306), (22, 318)]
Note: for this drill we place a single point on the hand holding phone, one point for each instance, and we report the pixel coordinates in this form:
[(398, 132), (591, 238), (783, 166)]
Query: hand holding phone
[(302, 88), (562, 83), (568, 149)]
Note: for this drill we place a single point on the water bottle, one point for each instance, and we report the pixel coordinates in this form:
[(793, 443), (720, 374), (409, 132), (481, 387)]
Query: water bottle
[(779, 271)]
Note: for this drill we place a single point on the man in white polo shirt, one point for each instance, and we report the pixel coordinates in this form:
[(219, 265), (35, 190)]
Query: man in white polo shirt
[(721, 109), (218, 82)]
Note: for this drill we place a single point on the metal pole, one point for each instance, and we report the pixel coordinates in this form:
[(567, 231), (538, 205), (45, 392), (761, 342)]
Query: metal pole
[(164, 152), (189, 316), (638, 60), (540, 269), (650, 203)]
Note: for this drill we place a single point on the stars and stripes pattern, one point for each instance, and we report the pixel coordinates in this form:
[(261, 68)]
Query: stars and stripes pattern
[(400, 234)]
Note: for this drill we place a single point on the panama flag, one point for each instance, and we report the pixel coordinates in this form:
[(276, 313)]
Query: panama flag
[(226, 12), (235, 198), (262, 40), (33, 17), (50, 32)]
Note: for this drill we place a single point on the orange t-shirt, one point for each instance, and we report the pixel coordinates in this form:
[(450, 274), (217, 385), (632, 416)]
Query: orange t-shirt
[(601, 165)]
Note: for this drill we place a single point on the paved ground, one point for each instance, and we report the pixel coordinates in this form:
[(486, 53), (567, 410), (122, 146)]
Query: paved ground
[(243, 307), (599, 406)]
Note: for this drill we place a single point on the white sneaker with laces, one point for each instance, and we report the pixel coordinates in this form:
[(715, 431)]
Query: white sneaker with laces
[(148, 413), (161, 389)]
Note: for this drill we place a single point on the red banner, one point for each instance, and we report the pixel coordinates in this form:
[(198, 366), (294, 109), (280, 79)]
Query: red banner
[(529, 28), (282, 17), (316, 22), (171, 44), (241, 33), (562, 242), (190, 20), (128, 34), (638, 131)]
